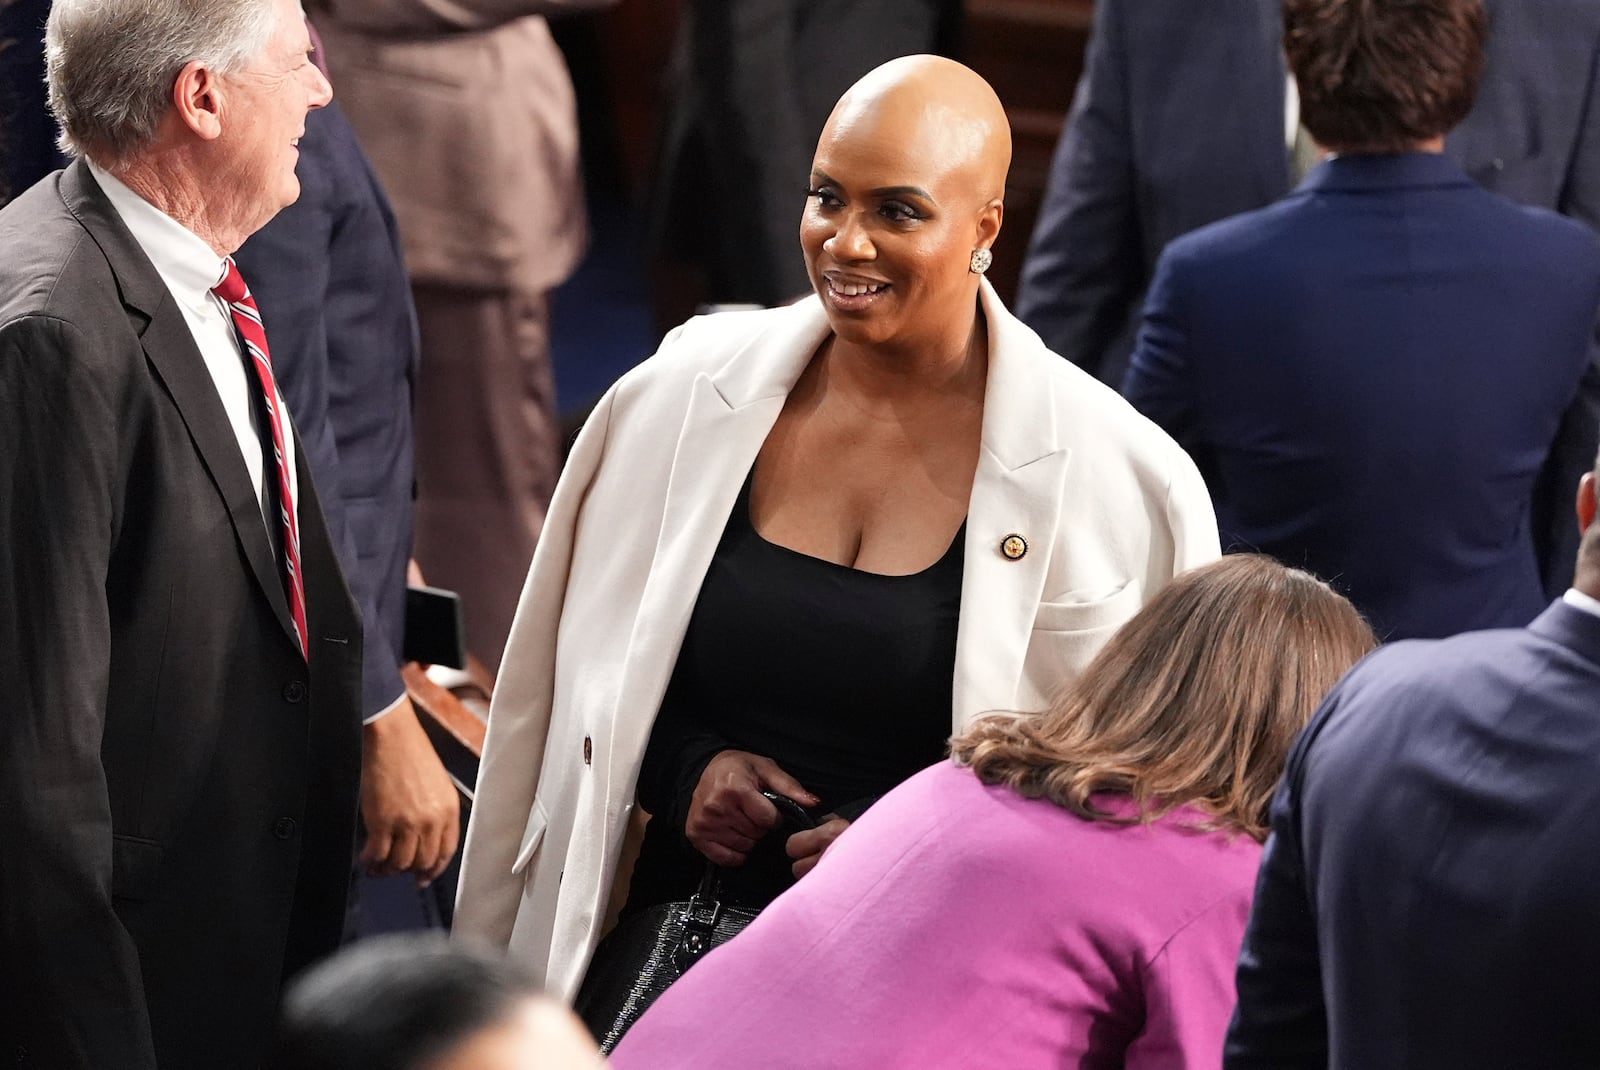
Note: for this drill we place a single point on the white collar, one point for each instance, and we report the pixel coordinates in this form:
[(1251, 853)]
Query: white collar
[(1582, 602), (181, 257)]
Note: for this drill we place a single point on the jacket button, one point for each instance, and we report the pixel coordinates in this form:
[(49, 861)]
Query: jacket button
[(588, 751), (283, 828), (294, 691)]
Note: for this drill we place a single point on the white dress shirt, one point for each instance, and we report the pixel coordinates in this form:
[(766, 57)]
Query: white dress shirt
[(190, 268), (1578, 600)]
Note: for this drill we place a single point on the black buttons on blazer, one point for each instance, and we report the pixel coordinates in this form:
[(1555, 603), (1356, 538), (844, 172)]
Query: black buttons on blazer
[(588, 751), (283, 828), (294, 691)]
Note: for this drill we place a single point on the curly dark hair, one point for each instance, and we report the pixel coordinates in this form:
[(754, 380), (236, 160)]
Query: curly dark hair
[(1383, 75)]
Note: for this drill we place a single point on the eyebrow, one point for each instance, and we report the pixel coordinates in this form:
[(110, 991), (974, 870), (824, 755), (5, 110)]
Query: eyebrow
[(881, 191)]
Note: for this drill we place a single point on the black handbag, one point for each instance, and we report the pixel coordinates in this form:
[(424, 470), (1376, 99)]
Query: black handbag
[(644, 954)]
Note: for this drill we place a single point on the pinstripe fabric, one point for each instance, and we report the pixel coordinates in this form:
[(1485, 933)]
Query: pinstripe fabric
[(247, 320)]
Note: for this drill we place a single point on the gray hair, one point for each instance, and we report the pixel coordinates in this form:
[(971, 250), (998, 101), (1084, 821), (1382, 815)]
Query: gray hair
[(111, 64)]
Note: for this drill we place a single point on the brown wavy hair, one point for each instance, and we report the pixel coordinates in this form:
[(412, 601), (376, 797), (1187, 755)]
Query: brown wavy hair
[(1195, 701), (1382, 75)]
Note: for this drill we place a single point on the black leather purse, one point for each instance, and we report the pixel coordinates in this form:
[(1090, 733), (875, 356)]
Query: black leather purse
[(647, 952)]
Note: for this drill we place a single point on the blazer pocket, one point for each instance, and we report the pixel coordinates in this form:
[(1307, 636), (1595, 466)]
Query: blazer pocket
[(1087, 610), (532, 836), (135, 868)]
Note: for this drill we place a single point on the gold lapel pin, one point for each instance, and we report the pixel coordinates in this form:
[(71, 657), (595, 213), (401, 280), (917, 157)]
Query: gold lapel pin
[(1014, 546)]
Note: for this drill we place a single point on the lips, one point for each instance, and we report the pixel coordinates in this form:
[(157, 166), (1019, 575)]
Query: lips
[(854, 293)]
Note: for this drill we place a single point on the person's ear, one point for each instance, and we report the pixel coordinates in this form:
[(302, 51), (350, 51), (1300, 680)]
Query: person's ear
[(1586, 501), (197, 97), (989, 224)]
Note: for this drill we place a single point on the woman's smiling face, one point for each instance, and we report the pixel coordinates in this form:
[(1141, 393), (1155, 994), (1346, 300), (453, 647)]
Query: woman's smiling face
[(898, 202)]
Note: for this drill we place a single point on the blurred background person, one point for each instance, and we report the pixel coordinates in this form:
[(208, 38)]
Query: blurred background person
[(28, 149), (1185, 117), (1374, 373), (467, 112), (419, 1002), (749, 87), (1182, 119), (1426, 898), (796, 548), (328, 277), (1070, 891)]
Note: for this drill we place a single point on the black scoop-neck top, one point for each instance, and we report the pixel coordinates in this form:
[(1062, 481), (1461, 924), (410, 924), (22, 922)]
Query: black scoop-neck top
[(842, 677)]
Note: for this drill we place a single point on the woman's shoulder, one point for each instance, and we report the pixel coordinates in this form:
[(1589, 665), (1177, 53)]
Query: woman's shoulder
[(706, 344), (1088, 413)]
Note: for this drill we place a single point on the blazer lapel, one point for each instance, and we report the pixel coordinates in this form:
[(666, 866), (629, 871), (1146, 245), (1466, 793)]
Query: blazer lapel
[(171, 351), (729, 414), (1017, 490)]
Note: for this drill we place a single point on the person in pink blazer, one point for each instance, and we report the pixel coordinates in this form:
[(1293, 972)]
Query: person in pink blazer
[(1070, 891)]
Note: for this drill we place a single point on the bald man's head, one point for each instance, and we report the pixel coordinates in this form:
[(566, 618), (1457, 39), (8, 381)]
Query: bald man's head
[(936, 109)]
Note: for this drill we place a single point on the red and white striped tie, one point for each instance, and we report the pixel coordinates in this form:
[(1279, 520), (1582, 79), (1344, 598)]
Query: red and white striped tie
[(247, 318)]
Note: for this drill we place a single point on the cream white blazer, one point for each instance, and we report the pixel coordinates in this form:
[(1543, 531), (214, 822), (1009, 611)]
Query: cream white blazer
[(1111, 508)]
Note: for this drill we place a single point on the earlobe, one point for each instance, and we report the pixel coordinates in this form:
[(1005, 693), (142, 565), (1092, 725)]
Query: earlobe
[(1586, 501), (197, 98)]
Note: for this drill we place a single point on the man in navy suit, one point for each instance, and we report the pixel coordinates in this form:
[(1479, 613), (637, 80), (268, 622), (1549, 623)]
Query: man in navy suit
[(1427, 896), (1182, 118), (328, 276), (1374, 373)]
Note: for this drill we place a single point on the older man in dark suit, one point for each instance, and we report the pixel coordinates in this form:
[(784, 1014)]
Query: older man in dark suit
[(179, 655), (1427, 897)]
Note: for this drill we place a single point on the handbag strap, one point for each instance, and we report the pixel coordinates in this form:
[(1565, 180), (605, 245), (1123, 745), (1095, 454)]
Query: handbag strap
[(704, 908)]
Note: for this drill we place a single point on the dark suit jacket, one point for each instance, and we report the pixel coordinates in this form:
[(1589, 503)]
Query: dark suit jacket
[(1371, 374), (1179, 121), (1427, 897), (328, 276), (750, 87), (177, 783)]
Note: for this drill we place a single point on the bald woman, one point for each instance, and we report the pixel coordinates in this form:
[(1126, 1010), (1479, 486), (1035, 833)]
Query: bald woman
[(798, 548)]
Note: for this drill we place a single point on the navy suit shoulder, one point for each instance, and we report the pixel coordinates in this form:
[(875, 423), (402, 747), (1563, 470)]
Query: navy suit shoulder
[(328, 276), (1321, 357), (1179, 120), (1431, 861)]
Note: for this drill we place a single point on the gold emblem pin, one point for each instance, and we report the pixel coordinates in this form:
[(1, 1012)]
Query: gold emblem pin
[(1014, 546)]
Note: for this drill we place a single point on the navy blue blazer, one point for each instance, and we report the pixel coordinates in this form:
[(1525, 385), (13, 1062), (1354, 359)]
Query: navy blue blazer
[(1179, 122), (1427, 897), (27, 131), (1370, 375), (328, 276)]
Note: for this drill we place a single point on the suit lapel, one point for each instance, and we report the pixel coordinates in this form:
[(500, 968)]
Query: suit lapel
[(172, 354), (1016, 491), (729, 414)]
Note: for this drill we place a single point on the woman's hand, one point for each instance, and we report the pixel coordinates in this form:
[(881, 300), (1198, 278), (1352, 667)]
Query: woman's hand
[(806, 847), (728, 813)]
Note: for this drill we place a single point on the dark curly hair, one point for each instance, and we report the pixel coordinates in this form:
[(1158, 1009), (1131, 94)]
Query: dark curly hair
[(1383, 75)]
